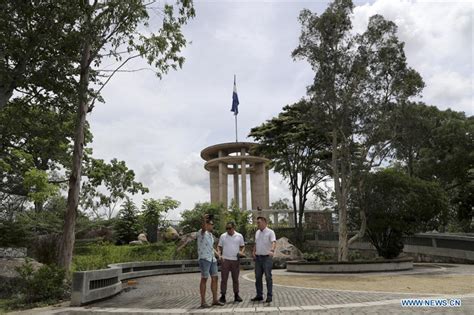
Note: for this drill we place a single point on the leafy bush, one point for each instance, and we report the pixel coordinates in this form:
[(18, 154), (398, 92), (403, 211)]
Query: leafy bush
[(45, 285), (153, 216), (192, 219), (98, 256), (399, 205), (127, 226), (318, 256), (187, 252), (13, 234), (241, 218)]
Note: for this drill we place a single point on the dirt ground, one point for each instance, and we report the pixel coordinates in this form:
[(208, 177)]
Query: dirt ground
[(437, 284)]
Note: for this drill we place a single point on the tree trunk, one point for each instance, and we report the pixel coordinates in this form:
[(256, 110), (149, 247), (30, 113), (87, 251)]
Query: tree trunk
[(295, 215), (68, 237), (341, 198), (343, 243)]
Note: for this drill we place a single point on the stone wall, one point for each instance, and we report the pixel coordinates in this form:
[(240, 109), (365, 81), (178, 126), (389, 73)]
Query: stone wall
[(319, 220), (10, 252)]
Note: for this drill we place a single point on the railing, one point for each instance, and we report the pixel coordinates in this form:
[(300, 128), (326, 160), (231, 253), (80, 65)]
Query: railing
[(285, 217), (93, 285), (447, 245)]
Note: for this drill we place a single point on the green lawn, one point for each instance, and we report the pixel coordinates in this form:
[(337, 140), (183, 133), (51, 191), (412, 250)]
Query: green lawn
[(98, 256)]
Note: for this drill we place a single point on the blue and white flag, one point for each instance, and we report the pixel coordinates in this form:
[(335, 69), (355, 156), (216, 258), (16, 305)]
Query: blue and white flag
[(235, 100)]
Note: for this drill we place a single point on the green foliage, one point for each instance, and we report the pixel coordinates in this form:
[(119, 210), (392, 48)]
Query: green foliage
[(13, 234), (241, 218), (98, 256), (187, 252), (399, 205), (438, 145), (107, 185), (43, 285), (192, 219), (153, 214), (127, 226), (298, 150), (281, 204), (318, 256)]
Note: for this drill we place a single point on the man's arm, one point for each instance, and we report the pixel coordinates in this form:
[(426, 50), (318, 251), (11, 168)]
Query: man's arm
[(272, 251), (273, 240), (242, 246)]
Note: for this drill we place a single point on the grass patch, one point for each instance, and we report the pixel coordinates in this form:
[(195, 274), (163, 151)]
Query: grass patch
[(4, 303), (98, 256)]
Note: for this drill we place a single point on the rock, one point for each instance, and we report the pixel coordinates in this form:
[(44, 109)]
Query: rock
[(142, 237), (9, 278), (170, 234), (186, 239), (12, 252), (285, 251), (8, 265)]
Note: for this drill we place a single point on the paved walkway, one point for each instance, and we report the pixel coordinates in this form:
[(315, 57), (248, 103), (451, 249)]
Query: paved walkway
[(179, 294)]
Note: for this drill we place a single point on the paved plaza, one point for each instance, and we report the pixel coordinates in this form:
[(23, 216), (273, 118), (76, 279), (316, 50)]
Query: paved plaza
[(179, 294)]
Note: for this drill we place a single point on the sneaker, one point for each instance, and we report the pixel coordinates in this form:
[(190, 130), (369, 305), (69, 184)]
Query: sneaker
[(268, 300), (222, 299), (237, 298), (257, 299), (217, 303), (204, 305)]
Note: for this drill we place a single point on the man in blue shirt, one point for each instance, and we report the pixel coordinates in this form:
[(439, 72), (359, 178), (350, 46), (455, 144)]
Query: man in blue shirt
[(207, 261)]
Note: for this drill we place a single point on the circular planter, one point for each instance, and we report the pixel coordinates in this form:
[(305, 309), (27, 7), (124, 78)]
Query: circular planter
[(350, 267)]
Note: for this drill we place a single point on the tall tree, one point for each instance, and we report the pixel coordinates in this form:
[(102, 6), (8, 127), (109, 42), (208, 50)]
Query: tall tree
[(37, 47), (113, 28), (107, 185), (438, 145), (298, 150), (358, 81)]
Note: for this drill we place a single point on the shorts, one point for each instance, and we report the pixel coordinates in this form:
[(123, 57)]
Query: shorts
[(208, 268)]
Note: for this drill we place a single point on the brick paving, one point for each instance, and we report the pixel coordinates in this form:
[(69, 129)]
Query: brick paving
[(170, 294), (181, 292)]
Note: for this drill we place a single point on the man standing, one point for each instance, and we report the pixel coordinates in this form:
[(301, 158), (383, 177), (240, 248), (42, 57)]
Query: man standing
[(231, 245), (207, 261), (265, 243)]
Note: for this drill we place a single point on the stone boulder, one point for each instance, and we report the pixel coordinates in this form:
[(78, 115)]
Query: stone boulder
[(285, 251), (142, 237), (142, 240), (9, 277), (186, 239), (170, 234)]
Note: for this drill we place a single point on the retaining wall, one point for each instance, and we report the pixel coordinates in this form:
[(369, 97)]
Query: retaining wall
[(93, 285)]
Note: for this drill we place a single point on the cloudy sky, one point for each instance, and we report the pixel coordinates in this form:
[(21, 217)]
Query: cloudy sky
[(159, 127)]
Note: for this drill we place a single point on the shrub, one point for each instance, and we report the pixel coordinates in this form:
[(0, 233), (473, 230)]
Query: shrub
[(398, 205), (127, 226), (45, 285), (192, 219), (98, 256), (318, 256)]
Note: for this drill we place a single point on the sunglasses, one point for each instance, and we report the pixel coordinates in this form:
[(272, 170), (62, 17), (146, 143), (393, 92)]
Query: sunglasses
[(228, 228)]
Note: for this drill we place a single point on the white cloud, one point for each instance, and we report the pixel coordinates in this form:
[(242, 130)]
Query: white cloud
[(438, 40)]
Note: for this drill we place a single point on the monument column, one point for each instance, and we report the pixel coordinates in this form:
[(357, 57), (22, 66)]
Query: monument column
[(236, 185), (244, 180), (214, 180), (222, 181)]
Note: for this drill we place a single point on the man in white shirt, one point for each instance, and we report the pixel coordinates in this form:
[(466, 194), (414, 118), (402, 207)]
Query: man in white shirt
[(230, 248), (263, 251)]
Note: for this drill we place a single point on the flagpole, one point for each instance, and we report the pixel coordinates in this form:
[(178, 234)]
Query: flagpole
[(236, 139)]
